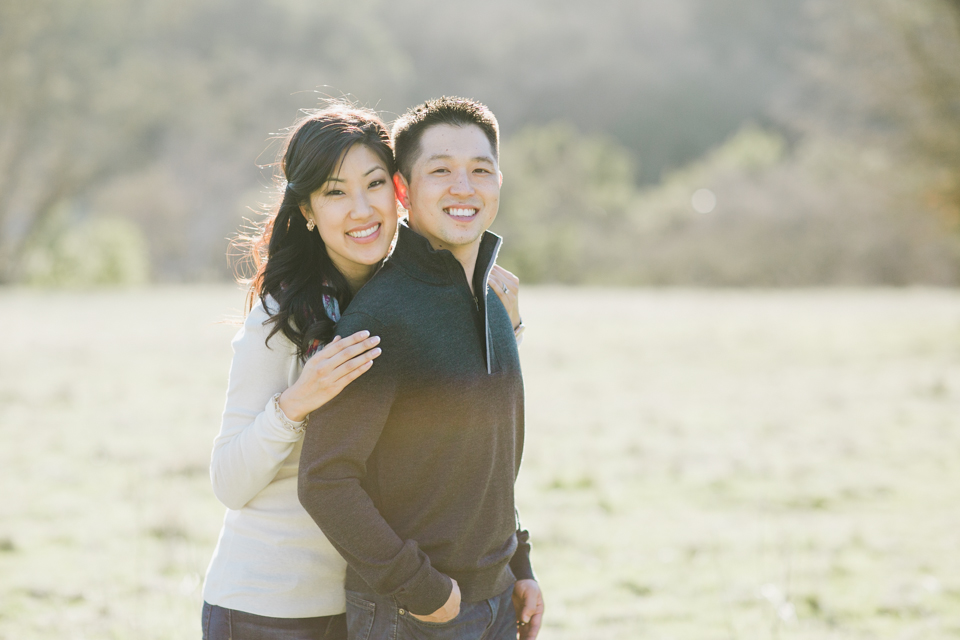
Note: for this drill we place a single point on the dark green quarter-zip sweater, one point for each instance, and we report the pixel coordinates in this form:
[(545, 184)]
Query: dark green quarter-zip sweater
[(410, 470)]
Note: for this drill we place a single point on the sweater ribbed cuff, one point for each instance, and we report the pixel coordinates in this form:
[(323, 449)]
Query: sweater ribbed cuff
[(427, 594)]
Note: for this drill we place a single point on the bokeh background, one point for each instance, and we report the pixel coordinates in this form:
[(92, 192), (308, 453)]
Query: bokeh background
[(736, 222)]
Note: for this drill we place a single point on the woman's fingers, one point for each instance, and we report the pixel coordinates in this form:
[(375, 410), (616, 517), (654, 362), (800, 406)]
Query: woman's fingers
[(351, 369), (507, 278), (335, 354), (338, 344), (345, 355), (507, 287)]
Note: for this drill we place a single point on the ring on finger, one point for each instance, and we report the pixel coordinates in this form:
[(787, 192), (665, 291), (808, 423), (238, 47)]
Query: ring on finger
[(504, 287)]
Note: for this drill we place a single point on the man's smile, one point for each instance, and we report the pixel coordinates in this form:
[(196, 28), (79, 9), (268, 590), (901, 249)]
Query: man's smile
[(461, 212)]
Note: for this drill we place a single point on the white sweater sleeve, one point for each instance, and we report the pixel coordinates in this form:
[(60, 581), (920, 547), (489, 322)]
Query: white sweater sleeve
[(252, 444)]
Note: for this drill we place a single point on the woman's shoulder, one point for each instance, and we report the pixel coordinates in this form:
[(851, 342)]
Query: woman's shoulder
[(262, 311), (257, 326)]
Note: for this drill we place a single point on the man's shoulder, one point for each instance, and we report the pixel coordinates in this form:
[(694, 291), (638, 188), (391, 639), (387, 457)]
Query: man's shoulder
[(385, 300)]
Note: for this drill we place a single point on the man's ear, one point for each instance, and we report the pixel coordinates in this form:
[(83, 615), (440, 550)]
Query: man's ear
[(402, 190), (500, 173)]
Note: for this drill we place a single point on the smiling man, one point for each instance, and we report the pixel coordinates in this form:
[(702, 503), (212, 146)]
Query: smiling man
[(410, 470)]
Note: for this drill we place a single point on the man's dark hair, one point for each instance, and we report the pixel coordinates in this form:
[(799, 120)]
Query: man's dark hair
[(459, 112)]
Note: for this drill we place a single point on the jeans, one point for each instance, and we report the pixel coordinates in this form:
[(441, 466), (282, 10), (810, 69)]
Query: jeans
[(376, 617), (228, 624)]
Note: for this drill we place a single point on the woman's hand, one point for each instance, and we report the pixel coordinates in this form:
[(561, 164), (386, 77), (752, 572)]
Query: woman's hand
[(327, 372), (507, 287)]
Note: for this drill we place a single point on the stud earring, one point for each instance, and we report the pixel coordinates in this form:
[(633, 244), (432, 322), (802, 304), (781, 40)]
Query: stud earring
[(311, 225)]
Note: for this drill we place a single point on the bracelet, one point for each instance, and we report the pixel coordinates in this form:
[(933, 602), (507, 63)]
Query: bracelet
[(290, 425)]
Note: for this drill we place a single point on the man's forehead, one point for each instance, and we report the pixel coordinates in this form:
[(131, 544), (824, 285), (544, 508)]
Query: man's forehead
[(446, 141)]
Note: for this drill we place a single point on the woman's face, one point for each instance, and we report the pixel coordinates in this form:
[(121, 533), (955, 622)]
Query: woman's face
[(356, 214)]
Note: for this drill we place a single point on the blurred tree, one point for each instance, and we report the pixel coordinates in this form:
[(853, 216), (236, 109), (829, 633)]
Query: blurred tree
[(887, 73), (80, 99), (563, 205), (93, 251)]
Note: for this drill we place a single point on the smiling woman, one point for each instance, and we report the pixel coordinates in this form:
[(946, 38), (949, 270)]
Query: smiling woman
[(273, 574)]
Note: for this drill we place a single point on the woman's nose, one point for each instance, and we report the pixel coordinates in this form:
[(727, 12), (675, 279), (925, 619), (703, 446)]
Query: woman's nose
[(361, 206)]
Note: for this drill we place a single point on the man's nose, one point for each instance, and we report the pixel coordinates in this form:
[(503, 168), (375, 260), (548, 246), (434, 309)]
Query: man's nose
[(461, 183)]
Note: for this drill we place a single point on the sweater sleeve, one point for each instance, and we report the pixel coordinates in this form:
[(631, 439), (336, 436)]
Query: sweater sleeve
[(252, 444), (339, 440), (520, 562)]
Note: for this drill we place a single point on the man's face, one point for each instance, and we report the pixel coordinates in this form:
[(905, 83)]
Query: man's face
[(454, 190)]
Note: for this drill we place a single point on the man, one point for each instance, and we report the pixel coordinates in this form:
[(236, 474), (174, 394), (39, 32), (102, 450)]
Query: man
[(410, 470)]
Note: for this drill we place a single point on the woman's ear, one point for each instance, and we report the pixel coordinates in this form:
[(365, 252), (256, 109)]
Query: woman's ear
[(402, 190), (305, 210)]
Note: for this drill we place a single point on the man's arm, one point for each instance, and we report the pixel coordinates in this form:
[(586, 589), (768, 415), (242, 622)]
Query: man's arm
[(339, 439)]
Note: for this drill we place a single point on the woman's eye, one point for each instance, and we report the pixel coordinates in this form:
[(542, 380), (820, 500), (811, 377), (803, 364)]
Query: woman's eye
[(440, 170), (335, 192), (377, 183)]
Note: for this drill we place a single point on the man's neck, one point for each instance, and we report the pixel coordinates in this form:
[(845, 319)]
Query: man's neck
[(467, 257), (466, 254)]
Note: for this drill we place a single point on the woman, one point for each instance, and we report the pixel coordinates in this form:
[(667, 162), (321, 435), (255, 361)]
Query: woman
[(273, 574)]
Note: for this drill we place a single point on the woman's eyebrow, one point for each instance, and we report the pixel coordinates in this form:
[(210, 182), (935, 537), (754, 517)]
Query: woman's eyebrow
[(371, 170)]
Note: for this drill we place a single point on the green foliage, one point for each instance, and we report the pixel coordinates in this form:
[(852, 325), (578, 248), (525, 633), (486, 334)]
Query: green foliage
[(95, 251), (565, 196), (826, 211)]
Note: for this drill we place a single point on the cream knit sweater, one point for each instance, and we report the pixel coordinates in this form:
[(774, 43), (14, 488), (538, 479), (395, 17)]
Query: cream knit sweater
[(271, 558)]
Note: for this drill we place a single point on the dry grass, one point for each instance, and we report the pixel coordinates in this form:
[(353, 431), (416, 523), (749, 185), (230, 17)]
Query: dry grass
[(699, 464)]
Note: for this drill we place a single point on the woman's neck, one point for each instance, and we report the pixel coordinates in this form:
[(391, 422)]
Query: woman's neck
[(356, 278)]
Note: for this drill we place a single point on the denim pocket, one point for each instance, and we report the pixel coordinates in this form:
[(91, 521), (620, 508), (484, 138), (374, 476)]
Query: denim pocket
[(360, 614), (437, 625), (473, 621)]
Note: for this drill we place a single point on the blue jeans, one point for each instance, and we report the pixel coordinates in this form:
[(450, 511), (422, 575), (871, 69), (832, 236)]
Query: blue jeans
[(229, 624), (375, 617)]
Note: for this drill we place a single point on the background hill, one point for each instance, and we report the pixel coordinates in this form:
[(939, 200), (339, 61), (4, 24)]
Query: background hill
[(827, 135)]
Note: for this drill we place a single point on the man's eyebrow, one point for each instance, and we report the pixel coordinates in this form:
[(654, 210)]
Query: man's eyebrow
[(444, 156)]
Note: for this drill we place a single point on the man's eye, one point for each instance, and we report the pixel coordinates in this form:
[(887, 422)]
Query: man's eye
[(481, 170), (440, 170)]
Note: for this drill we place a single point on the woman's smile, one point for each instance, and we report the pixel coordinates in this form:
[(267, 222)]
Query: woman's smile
[(365, 234)]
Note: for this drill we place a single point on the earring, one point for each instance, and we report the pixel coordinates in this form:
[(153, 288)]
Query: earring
[(311, 225)]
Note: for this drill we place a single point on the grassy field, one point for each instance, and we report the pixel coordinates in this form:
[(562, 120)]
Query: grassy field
[(710, 465)]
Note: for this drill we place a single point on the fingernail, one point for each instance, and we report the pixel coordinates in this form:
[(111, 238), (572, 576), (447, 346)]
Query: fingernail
[(376, 352), (375, 339), (366, 333)]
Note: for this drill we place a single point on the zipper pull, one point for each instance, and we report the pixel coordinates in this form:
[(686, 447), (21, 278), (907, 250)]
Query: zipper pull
[(476, 302)]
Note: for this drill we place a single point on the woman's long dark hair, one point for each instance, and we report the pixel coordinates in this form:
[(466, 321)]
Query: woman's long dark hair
[(292, 264)]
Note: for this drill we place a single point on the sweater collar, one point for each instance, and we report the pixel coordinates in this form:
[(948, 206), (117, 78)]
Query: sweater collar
[(414, 254)]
